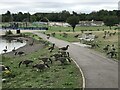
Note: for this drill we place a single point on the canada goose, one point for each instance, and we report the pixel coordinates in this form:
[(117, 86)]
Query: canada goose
[(76, 35), (5, 50), (14, 49), (45, 60), (106, 48), (63, 60), (40, 66), (20, 52), (64, 48), (26, 62), (52, 47)]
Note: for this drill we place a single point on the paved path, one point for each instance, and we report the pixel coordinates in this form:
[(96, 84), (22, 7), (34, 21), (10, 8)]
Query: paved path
[(99, 71)]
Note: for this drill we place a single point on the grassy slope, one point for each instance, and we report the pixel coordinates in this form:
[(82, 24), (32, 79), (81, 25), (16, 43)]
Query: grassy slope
[(66, 76)]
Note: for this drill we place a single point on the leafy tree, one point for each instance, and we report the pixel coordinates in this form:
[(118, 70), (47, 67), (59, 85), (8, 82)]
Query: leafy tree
[(8, 32), (111, 21), (118, 15), (82, 16), (74, 13), (15, 17), (19, 17), (44, 19), (7, 17), (26, 17), (53, 17), (63, 15), (33, 18), (73, 21), (37, 17)]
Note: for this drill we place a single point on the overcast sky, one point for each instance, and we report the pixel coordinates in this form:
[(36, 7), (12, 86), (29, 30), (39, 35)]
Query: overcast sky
[(32, 6)]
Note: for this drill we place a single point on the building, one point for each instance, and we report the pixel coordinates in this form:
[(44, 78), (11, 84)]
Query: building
[(91, 23), (59, 24)]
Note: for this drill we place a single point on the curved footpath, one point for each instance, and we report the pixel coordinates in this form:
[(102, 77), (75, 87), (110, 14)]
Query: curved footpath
[(99, 71)]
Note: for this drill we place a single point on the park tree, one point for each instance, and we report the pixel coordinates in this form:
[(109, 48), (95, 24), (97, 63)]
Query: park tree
[(118, 15), (19, 17), (33, 18), (7, 17), (44, 19), (74, 13), (37, 17), (26, 16), (15, 17), (63, 15), (82, 16), (73, 21), (111, 21), (26, 19), (53, 16)]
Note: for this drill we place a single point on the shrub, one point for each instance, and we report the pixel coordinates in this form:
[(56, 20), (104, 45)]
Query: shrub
[(8, 32)]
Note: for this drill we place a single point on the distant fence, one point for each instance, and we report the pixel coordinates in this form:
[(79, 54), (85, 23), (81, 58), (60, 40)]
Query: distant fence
[(27, 28)]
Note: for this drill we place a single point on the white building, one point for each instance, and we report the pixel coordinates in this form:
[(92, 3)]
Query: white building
[(59, 24), (91, 23)]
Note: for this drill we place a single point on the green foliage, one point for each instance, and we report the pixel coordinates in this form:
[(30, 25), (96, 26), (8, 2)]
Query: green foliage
[(73, 21), (44, 19), (111, 21), (7, 17), (64, 15)]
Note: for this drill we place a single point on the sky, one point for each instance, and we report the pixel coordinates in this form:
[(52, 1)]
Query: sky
[(79, 6)]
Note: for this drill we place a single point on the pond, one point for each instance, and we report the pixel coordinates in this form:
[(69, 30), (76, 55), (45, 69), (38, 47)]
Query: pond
[(10, 45)]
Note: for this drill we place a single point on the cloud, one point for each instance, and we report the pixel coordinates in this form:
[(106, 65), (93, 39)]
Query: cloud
[(33, 6)]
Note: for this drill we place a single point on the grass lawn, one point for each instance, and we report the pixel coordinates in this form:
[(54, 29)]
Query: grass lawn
[(100, 41), (57, 76)]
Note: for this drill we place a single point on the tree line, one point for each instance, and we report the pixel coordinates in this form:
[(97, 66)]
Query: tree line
[(62, 16)]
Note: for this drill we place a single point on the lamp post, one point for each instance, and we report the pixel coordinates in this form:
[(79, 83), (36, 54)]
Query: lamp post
[(119, 5)]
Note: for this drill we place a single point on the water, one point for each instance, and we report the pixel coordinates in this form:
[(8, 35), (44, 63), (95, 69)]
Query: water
[(10, 45)]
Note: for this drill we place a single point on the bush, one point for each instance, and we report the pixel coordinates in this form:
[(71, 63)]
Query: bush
[(8, 32)]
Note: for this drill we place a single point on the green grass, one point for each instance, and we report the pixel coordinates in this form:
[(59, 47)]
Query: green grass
[(34, 36), (78, 28), (58, 76), (69, 38)]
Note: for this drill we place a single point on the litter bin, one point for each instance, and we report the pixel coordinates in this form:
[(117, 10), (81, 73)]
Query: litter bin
[(18, 31)]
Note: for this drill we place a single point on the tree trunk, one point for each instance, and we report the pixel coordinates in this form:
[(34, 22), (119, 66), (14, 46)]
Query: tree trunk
[(73, 28), (110, 27), (26, 24)]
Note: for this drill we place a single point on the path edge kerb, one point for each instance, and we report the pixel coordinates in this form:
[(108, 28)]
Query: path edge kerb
[(83, 77)]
